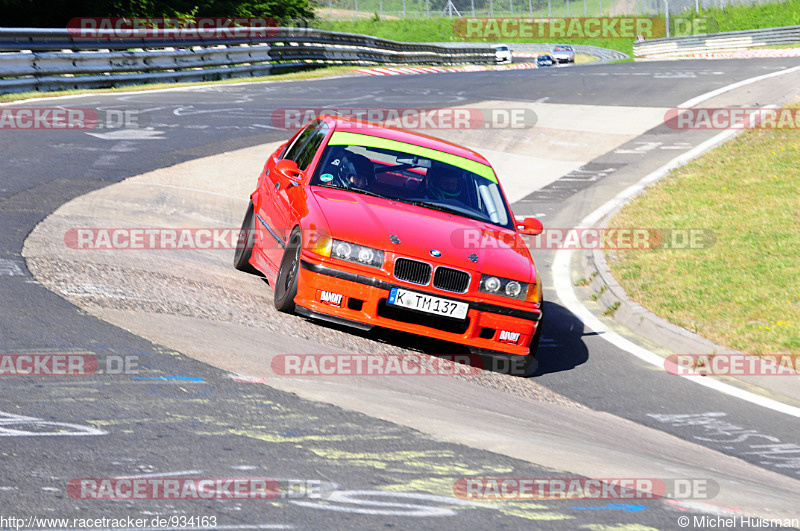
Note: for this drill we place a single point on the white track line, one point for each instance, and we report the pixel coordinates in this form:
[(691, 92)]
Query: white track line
[(708, 95), (562, 279)]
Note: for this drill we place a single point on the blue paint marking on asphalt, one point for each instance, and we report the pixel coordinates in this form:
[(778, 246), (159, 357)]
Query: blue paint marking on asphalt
[(170, 378), (613, 506)]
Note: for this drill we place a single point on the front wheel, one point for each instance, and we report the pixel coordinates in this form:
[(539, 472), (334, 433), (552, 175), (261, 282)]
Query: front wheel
[(288, 274), (245, 242), (530, 364)]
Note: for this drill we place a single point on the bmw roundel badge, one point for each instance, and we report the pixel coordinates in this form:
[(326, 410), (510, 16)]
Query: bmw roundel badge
[(434, 252)]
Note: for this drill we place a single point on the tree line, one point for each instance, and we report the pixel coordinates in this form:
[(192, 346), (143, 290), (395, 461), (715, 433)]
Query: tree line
[(57, 13)]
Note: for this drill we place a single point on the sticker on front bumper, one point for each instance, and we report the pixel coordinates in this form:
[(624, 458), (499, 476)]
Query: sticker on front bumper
[(328, 297), (508, 337), (427, 303)]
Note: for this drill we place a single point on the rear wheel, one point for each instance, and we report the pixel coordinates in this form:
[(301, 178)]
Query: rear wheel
[(245, 242), (288, 274)]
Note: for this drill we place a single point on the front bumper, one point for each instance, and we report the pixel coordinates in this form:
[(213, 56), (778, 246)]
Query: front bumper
[(364, 300)]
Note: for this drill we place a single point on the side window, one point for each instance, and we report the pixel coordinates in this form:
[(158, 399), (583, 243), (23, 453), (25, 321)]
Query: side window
[(308, 151), (294, 149)]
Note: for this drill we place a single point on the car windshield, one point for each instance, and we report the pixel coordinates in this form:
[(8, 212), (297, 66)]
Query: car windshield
[(502, 48), (412, 174)]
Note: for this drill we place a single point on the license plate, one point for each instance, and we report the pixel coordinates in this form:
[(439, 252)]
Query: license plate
[(428, 303)]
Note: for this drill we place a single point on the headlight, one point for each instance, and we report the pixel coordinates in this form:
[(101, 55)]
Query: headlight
[(365, 255), (342, 250), (357, 253), (491, 284), (513, 288), (504, 286)]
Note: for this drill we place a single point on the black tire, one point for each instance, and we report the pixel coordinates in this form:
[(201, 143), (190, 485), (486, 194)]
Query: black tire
[(530, 364), (288, 274), (245, 242)]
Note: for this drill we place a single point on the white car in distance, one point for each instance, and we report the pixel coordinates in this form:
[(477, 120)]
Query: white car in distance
[(563, 54), (502, 54)]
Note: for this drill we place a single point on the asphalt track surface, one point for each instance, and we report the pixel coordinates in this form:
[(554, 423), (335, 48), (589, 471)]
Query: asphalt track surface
[(197, 422)]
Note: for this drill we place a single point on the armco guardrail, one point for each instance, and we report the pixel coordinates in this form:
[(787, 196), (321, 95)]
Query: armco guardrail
[(34, 59), (697, 45)]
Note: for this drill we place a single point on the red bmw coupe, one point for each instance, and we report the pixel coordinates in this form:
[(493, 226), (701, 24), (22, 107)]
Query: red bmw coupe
[(368, 226)]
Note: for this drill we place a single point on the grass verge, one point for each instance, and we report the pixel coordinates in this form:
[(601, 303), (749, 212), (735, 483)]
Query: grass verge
[(743, 291), (440, 29)]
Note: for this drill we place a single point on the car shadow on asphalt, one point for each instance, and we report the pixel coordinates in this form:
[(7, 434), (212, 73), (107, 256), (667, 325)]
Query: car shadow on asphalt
[(561, 348)]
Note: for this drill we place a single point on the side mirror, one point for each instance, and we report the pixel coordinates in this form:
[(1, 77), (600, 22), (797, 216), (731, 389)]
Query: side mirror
[(288, 169), (530, 226)]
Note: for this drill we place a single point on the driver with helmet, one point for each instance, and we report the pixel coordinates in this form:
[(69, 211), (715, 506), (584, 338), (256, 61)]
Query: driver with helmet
[(445, 182), (357, 171)]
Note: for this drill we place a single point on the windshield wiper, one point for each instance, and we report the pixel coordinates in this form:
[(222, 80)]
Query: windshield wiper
[(356, 190), (441, 208), (367, 192)]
